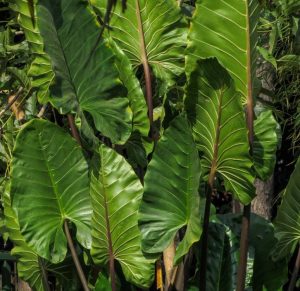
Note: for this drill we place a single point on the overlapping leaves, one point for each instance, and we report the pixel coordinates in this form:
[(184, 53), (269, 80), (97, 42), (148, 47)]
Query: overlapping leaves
[(227, 30), (40, 70), (86, 78), (159, 38)]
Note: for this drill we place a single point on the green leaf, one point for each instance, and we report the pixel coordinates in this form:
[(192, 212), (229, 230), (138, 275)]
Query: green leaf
[(40, 69), (263, 271), (49, 184), (216, 113), (162, 25), (30, 267), (227, 30), (171, 200), (265, 144), (102, 283), (287, 222), (116, 194), (219, 265), (86, 78), (140, 120)]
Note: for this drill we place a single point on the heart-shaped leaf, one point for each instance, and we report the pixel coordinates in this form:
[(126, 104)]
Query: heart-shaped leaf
[(49, 184), (86, 78)]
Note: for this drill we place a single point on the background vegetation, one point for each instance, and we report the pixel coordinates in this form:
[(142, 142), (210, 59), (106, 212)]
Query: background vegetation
[(177, 109)]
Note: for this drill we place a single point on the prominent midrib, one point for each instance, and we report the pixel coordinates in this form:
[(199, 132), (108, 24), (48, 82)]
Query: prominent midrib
[(108, 229), (54, 187), (145, 63), (213, 168), (250, 113)]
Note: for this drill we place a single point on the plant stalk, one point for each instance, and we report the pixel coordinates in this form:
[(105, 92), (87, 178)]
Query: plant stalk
[(144, 59), (295, 272), (75, 258), (242, 267), (73, 128)]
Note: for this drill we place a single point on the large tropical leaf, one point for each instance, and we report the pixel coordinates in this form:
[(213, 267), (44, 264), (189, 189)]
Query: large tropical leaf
[(171, 200), (227, 30), (287, 223), (86, 78), (49, 184), (116, 194), (219, 128), (266, 139), (40, 70), (150, 31)]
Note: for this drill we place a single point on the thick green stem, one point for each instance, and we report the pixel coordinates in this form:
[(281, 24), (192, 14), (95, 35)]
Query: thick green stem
[(75, 258)]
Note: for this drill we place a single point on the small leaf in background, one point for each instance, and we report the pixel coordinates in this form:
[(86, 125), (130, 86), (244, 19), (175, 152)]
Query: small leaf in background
[(171, 200), (266, 140), (287, 222)]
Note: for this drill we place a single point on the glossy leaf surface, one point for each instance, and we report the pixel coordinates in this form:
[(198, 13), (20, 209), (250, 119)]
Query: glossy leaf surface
[(171, 200), (159, 34), (219, 128), (116, 195), (86, 78), (227, 30), (49, 185)]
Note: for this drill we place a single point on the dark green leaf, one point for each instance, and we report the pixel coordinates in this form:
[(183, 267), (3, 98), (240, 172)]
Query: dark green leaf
[(171, 200)]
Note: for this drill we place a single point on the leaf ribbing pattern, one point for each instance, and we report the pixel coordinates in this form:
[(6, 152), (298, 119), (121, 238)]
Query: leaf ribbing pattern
[(215, 110), (86, 77), (164, 32), (49, 169), (116, 194), (221, 29), (171, 200)]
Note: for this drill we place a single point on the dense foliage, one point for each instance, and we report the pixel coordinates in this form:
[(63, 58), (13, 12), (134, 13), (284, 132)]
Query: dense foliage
[(132, 132)]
